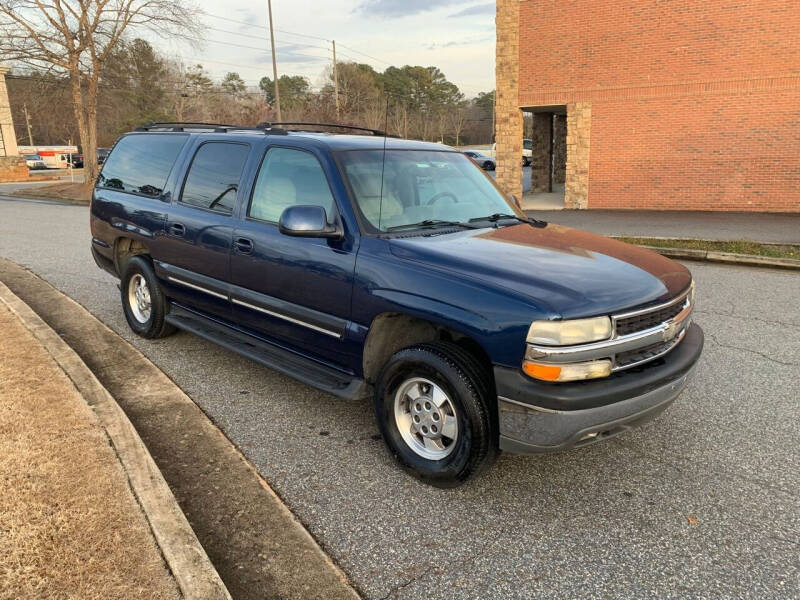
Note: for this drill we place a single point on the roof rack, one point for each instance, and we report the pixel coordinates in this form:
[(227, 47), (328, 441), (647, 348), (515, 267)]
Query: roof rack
[(267, 127), (214, 127), (269, 124)]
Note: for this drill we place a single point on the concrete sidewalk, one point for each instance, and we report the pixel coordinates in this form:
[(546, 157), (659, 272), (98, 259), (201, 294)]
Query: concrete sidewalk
[(756, 227)]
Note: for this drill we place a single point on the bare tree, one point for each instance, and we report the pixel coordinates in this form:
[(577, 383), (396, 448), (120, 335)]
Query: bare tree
[(458, 120), (77, 37)]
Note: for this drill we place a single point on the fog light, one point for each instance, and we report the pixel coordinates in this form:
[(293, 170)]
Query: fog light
[(567, 372)]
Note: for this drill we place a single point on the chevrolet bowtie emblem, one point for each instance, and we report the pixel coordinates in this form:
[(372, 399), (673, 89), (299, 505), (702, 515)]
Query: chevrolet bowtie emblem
[(670, 332)]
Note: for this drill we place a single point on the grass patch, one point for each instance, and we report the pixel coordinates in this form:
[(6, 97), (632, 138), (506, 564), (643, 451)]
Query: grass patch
[(735, 247), (70, 526)]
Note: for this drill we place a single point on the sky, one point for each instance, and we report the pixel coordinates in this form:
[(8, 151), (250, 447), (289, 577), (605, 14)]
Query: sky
[(458, 36)]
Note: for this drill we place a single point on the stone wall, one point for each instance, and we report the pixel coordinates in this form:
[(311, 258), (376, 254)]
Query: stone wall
[(559, 148), (13, 168), (7, 134), (579, 126), (540, 152), (508, 116)]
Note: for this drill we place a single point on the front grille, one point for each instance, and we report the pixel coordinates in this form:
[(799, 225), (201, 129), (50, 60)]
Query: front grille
[(628, 325), (631, 357)]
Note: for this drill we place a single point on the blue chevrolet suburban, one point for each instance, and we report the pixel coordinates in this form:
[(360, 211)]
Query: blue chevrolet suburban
[(365, 265)]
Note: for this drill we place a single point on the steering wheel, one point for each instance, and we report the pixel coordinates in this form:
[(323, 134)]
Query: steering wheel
[(442, 195)]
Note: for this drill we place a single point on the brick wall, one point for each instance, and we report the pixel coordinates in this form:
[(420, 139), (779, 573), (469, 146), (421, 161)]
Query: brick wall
[(694, 105), (729, 152)]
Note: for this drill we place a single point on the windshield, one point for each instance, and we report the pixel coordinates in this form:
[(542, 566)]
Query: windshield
[(420, 185)]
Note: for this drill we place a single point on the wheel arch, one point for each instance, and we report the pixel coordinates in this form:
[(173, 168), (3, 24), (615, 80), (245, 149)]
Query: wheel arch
[(393, 331), (126, 248)]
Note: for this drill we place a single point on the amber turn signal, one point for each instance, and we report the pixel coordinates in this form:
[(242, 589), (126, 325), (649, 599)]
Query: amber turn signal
[(567, 372)]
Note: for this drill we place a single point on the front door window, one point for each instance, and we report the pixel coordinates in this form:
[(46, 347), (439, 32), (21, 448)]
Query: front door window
[(287, 178)]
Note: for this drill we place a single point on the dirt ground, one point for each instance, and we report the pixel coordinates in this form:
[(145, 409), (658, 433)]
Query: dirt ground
[(70, 526), (66, 192)]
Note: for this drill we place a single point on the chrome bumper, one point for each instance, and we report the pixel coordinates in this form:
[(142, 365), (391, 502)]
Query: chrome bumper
[(527, 429)]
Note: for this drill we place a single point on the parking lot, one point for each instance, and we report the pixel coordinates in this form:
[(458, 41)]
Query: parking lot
[(701, 503)]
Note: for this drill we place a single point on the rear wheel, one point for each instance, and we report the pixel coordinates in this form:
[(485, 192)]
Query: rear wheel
[(143, 301), (433, 406)]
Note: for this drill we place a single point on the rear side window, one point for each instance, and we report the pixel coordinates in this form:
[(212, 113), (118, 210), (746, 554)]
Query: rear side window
[(141, 163), (287, 178), (214, 176)]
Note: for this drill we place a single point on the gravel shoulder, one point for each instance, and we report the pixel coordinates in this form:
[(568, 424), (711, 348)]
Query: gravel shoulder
[(71, 527)]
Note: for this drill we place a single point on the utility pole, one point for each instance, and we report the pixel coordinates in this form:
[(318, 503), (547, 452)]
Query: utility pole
[(28, 123), (274, 62), (335, 80)]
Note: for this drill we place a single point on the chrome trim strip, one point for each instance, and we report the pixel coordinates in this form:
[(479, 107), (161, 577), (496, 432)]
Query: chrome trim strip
[(670, 348), (285, 318), (644, 311), (196, 287)]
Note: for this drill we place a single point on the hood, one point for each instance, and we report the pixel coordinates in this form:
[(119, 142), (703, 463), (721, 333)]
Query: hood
[(566, 272)]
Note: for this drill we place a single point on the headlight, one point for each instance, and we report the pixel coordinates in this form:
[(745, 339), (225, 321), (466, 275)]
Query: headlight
[(567, 372), (567, 333)]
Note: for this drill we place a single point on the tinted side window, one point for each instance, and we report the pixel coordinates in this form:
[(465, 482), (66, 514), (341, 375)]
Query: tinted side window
[(141, 163), (288, 177), (214, 176)]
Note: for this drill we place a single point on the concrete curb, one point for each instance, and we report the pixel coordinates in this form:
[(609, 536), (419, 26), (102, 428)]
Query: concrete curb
[(748, 260), (190, 566)]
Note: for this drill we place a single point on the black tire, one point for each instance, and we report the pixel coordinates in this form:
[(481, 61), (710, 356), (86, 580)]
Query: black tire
[(155, 326), (469, 387), (488, 166)]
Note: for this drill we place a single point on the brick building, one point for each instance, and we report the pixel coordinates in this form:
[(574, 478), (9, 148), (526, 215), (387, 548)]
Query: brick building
[(653, 104)]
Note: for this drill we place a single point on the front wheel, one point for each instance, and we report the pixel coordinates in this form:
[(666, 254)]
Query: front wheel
[(143, 301), (432, 403)]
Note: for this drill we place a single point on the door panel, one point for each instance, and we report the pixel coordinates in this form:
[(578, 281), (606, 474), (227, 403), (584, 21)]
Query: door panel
[(291, 289), (199, 229)]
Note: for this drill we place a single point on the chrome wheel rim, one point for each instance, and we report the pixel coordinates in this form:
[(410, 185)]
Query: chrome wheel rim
[(426, 418), (139, 298)]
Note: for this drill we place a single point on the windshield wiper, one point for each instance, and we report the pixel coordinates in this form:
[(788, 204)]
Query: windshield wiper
[(500, 216), (428, 223)]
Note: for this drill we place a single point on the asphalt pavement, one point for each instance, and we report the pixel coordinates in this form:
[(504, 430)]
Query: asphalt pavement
[(701, 503)]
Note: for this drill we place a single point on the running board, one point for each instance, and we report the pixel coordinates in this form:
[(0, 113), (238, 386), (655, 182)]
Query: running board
[(303, 369)]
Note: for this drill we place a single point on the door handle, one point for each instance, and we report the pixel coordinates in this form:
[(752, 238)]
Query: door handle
[(177, 229), (243, 245)]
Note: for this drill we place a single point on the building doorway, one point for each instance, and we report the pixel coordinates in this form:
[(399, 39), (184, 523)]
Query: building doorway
[(548, 135)]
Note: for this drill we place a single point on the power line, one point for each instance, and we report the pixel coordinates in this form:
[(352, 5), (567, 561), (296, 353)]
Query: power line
[(364, 54), (257, 37), (266, 51), (313, 37), (265, 28)]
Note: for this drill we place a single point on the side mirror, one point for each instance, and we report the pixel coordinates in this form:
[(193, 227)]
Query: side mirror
[(307, 221)]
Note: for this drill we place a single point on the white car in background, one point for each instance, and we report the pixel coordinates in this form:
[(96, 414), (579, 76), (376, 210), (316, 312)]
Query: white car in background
[(35, 162), (527, 151)]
